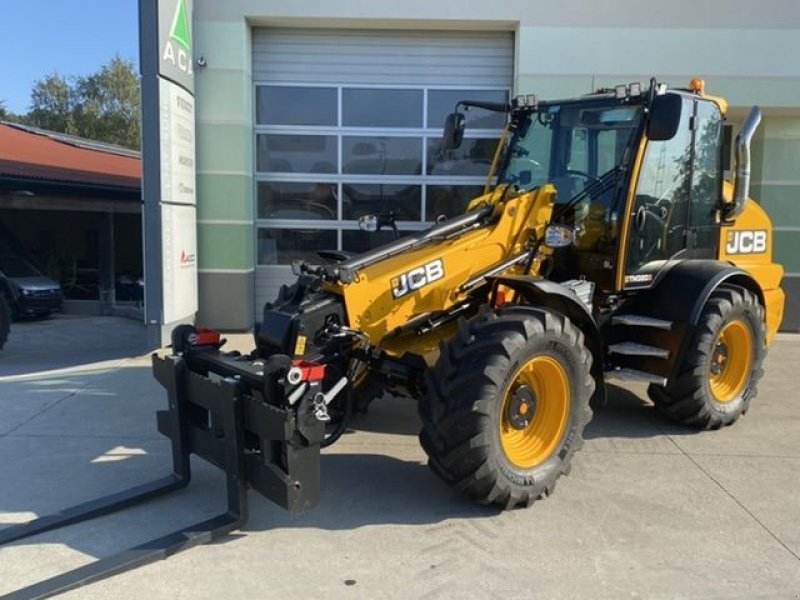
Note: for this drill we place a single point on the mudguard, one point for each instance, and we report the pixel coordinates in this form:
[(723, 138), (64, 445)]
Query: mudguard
[(679, 295), (552, 295)]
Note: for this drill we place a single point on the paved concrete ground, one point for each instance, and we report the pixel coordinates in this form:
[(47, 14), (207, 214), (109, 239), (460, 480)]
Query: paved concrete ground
[(650, 509), (69, 342)]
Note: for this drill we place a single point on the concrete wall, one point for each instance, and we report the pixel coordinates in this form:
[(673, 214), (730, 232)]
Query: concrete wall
[(225, 196), (562, 49)]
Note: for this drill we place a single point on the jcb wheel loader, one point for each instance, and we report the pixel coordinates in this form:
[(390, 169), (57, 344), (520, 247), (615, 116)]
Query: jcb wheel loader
[(606, 246)]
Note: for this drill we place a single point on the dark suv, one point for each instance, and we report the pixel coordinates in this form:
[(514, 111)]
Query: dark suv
[(28, 291)]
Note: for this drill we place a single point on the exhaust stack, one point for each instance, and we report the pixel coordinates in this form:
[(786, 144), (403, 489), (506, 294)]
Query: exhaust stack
[(741, 183)]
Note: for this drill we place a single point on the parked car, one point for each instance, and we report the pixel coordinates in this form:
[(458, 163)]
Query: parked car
[(130, 287), (27, 290), (5, 319)]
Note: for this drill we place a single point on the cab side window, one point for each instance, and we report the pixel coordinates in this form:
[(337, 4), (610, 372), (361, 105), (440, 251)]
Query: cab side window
[(661, 207), (706, 181)]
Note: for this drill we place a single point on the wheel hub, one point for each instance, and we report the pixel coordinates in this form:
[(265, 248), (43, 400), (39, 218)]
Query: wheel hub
[(534, 417), (731, 361), (521, 408), (719, 359)]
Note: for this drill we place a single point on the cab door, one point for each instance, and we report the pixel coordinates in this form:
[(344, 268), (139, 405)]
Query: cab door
[(659, 219), (702, 237)]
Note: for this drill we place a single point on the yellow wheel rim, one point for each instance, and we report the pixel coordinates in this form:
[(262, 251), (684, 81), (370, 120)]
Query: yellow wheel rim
[(731, 361), (535, 412)]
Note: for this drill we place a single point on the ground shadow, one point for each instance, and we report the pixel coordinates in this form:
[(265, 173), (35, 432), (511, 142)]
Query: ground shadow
[(626, 413)]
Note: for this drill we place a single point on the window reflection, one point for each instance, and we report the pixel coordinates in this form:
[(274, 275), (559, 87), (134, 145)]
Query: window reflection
[(362, 107), (296, 153), (366, 155), (296, 200), (472, 158), (359, 241), (294, 105), (449, 200), (443, 102), (372, 198), (283, 246)]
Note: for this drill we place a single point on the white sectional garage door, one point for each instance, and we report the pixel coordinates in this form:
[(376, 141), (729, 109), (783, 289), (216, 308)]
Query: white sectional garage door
[(349, 123)]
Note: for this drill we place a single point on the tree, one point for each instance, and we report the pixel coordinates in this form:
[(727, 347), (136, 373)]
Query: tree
[(6, 115), (103, 106), (107, 105), (53, 104)]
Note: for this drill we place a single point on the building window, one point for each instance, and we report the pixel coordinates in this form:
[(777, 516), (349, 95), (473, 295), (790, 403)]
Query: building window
[(326, 155)]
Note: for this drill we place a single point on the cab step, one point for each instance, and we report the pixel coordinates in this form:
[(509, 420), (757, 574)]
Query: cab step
[(634, 376), (634, 349), (641, 321)]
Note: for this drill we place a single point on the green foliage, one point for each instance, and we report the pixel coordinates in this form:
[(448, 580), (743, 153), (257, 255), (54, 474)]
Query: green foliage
[(6, 115), (52, 105), (103, 106)]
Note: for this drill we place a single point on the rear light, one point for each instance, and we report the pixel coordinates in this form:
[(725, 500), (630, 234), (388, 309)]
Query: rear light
[(303, 370), (205, 337)]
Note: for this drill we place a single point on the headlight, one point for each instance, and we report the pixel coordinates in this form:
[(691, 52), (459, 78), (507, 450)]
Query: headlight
[(27, 292)]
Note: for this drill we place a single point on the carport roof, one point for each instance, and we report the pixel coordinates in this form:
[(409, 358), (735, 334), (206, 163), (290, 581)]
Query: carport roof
[(28, 153)]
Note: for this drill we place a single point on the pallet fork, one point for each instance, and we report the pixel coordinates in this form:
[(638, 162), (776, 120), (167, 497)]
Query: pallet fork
[(227, 423)]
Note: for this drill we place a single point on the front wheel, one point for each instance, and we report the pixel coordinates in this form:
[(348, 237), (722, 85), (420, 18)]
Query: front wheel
[(507, 404)]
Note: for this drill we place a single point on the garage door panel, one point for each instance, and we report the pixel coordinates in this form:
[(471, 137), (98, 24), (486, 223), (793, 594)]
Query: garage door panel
[(416, 58), (350, 123)]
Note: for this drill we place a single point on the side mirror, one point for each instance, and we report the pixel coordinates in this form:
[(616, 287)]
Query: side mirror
[(665, 117), (453, 131)]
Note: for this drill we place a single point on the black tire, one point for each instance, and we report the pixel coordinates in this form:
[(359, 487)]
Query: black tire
[(461, 412), (5, 321), (688, 397)]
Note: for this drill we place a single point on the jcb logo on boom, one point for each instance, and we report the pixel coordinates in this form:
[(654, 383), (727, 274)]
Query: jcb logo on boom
[(746, 242), (417, 278)]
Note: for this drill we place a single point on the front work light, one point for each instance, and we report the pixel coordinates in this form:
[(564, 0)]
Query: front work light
[(368, 223)]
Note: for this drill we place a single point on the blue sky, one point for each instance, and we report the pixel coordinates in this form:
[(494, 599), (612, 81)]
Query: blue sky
[(72, 37)]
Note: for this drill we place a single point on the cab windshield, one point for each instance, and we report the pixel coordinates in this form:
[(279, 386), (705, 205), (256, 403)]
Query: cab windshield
[(579, 147)]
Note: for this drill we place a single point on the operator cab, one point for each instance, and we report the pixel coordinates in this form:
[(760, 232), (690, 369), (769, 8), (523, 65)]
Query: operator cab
[(667, 147)]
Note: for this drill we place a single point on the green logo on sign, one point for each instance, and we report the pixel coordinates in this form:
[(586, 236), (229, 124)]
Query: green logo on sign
[(181, 32)]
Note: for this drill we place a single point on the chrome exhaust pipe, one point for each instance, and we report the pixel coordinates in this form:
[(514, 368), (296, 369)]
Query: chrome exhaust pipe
[(741, 182)]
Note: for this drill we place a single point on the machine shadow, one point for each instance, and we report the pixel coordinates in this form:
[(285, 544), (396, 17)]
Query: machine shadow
[(627, 413)]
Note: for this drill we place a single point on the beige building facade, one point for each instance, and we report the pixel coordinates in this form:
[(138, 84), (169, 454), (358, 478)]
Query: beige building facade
[(312, 112)]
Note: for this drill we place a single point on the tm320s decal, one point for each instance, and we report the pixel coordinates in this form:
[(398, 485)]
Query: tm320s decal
[(417, 278), (746, 242)]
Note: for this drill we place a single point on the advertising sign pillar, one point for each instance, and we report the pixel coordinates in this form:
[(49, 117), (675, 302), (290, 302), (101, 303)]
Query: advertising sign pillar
[(168, 163)]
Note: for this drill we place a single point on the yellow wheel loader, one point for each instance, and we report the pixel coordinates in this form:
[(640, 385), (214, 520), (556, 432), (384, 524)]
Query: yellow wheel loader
[(606, 246)]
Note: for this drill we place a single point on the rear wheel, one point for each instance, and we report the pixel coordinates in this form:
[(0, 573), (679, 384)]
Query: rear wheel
[(719, 376), (507, 404)]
